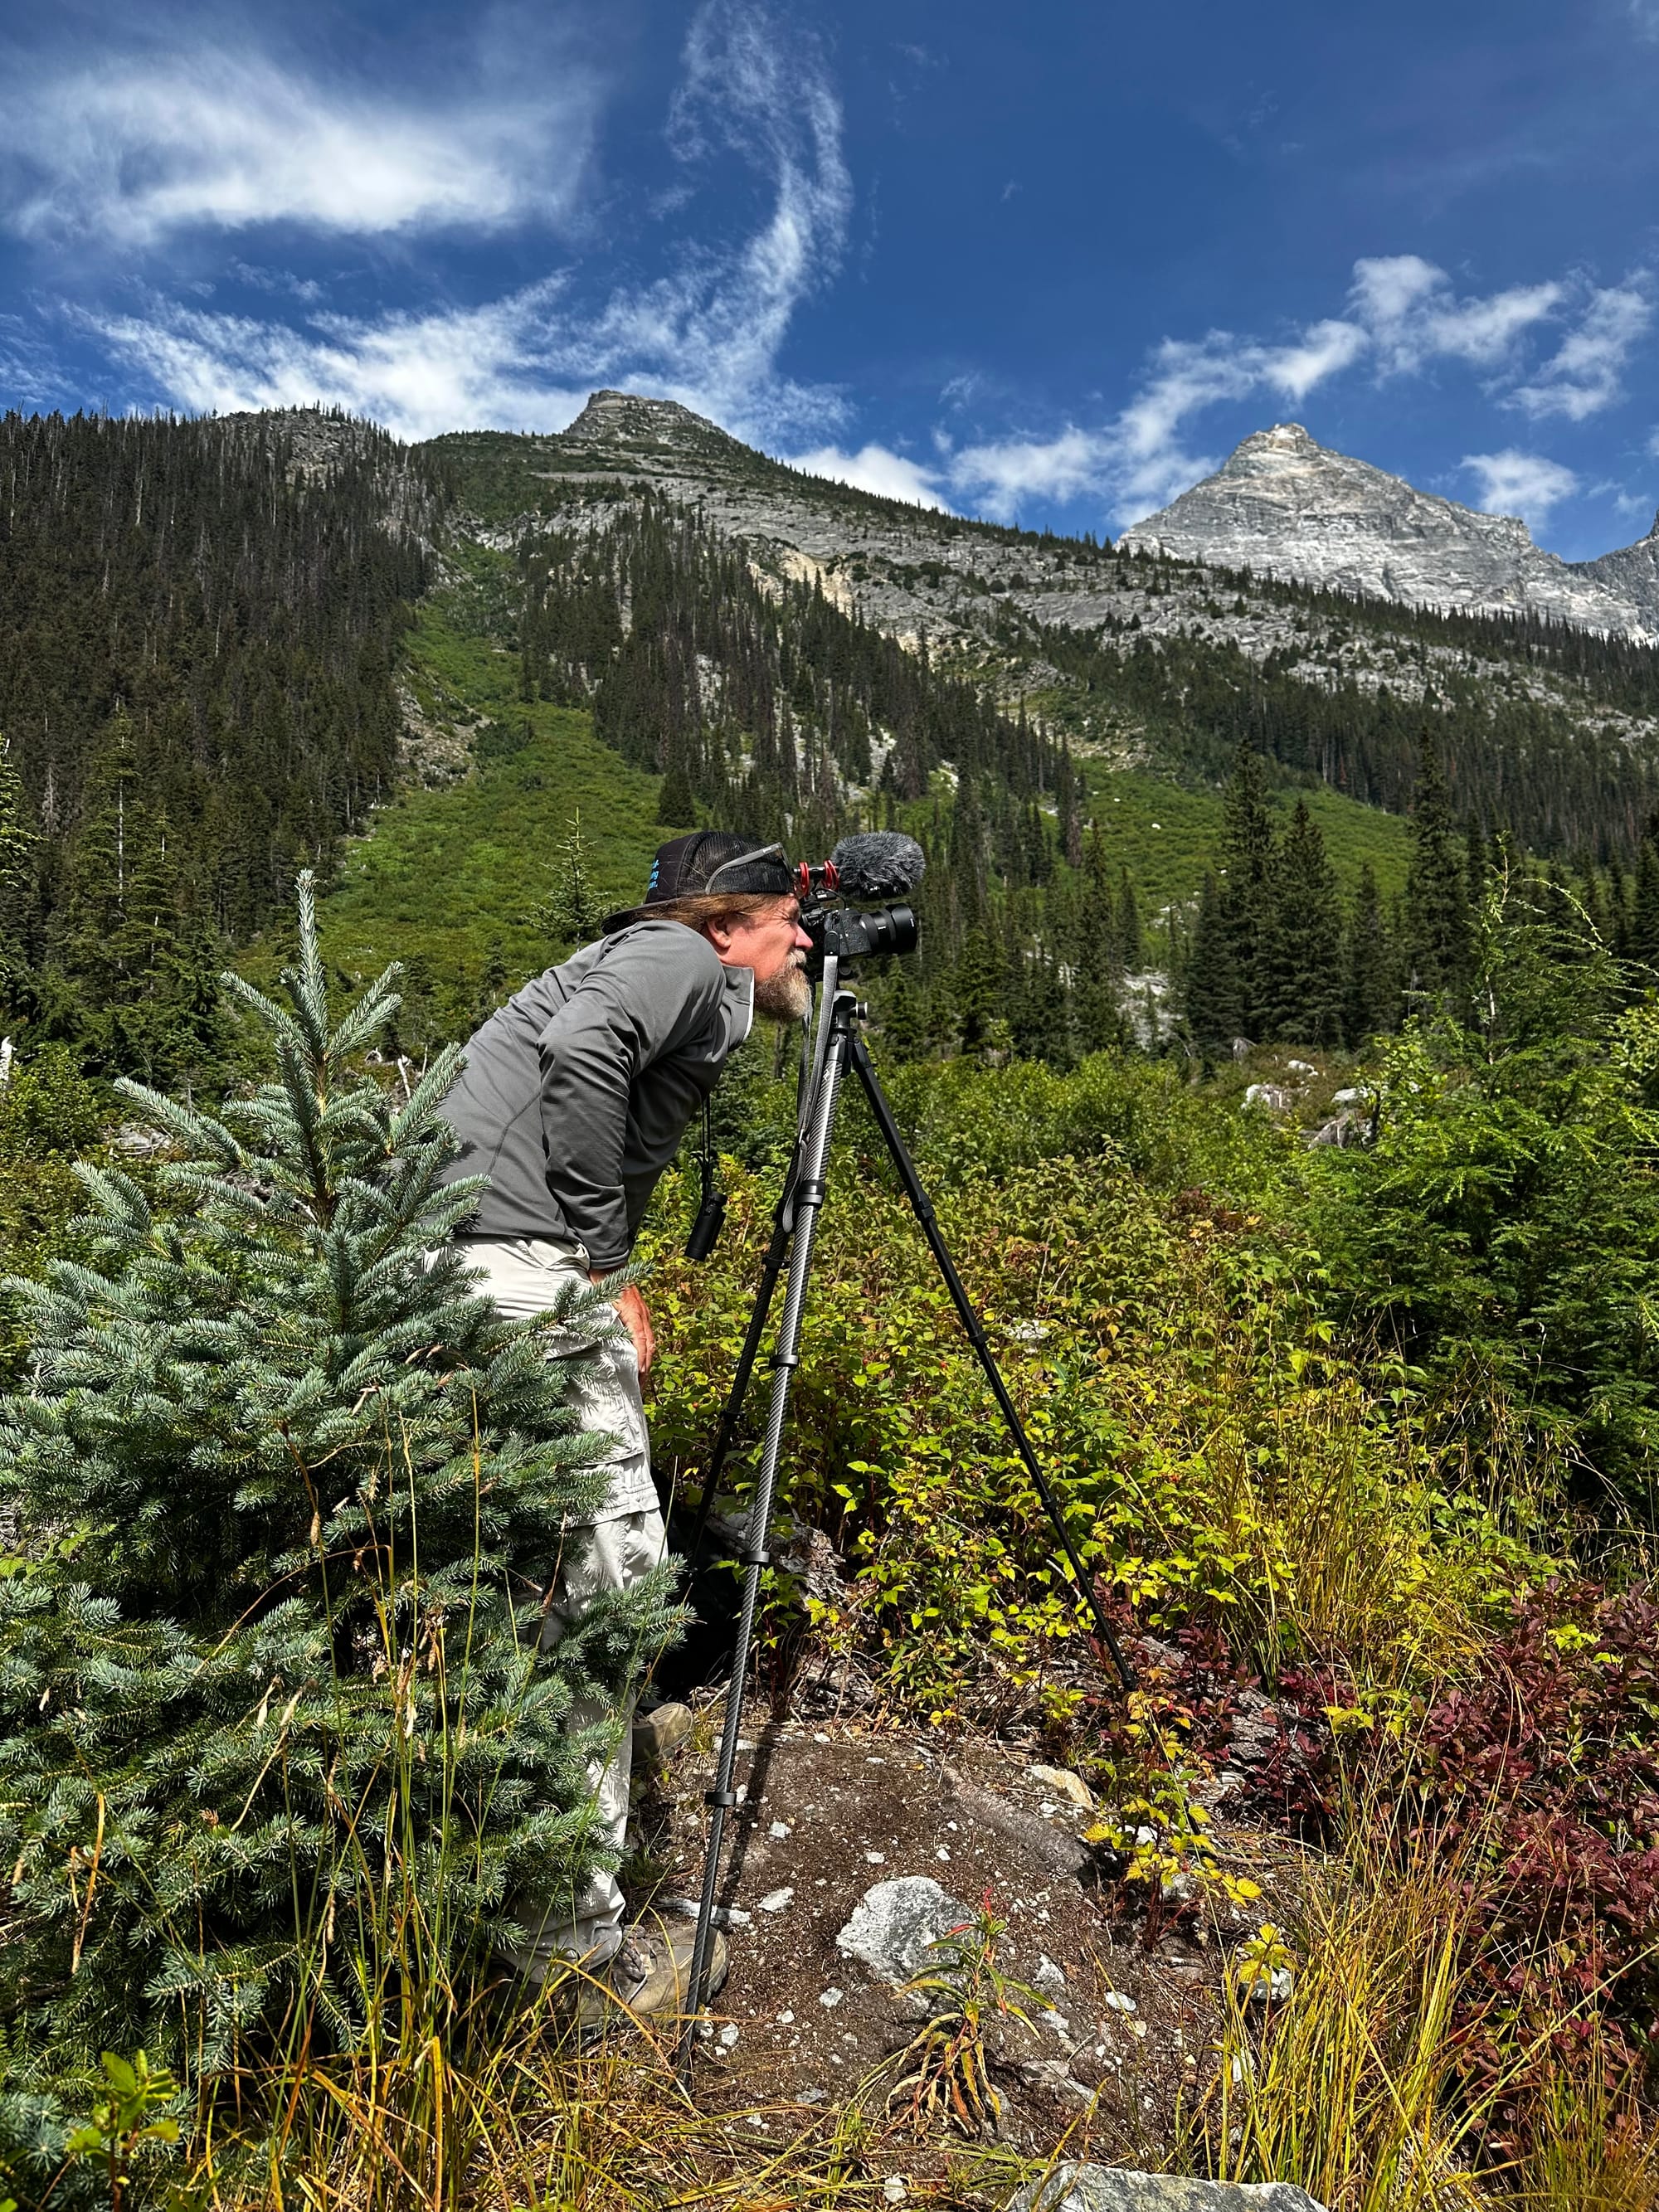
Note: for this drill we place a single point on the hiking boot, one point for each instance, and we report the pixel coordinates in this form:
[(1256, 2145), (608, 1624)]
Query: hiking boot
[(658, 1730), (649, 1977)]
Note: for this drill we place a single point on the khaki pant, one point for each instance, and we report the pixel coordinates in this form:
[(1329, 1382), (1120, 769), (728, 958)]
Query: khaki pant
[(522, 1277)]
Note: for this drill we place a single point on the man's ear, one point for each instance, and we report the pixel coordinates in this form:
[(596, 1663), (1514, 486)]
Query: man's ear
[(718, 933)]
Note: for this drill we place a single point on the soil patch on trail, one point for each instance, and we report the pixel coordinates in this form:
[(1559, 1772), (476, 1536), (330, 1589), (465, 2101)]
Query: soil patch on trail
[(1121, 2033)]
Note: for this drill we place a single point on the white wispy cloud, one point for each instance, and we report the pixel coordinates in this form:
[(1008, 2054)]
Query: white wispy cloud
[(874, 468), (707, 332), (1411, 316), (418, 374), (29, 374), (1141, 459), (1403, 315), (130, 148), (1584, 375), (1527, 484)]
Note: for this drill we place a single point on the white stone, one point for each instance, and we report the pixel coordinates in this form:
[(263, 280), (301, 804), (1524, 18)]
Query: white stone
[(1116, 2002), (777, 1901), (830, 1998), (1276, 1985), (895, 1924), (777, 1832)]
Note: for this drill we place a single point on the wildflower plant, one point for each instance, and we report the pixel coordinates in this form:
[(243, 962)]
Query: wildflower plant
[(278, 1745)]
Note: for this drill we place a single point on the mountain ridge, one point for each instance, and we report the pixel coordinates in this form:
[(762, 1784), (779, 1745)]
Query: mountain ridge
[(1283, 505)]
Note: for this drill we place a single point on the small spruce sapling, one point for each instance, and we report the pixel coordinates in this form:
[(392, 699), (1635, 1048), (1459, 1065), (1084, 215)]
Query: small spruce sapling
[(277, 1743)]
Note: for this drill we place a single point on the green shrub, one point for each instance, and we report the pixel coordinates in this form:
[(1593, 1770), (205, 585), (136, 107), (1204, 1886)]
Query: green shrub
[(276, 1740)]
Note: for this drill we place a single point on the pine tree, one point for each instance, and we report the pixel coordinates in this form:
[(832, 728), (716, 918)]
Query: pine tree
[(284, 1691), (1041, 1027), (1299, 976), (979, 993), (1371, 994), (571, 913), (1131, 946), (904, 1016), (18, 898), (1440, 931), (1212, 1001), (676, 806), (1644, 908), (1246, 845)]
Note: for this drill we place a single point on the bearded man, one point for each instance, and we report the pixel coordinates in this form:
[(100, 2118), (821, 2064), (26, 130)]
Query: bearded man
[(575, 1098)]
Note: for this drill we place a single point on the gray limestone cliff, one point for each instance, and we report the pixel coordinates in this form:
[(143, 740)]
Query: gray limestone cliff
[(1633, 571), (977, 592), (1284, 505)]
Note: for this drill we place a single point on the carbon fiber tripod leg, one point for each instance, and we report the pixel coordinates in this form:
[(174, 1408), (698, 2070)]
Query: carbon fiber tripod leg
[(809, 1193)]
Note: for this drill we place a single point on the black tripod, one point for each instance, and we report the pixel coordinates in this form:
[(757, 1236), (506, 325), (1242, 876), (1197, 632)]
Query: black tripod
[(840, 1045)]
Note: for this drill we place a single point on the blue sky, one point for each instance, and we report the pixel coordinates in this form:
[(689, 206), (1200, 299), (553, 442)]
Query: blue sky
[(1046, 262)]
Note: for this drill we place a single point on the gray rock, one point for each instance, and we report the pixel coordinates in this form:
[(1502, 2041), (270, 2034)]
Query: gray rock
[(1286, 506), (1633, 571), (1342, 1132), (1078, 2188), (1046, 1847), (895, 1924)]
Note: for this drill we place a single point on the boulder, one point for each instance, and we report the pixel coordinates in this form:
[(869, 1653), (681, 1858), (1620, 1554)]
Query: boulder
[(1343, 1131), (895, 1924), (1080, 2188)]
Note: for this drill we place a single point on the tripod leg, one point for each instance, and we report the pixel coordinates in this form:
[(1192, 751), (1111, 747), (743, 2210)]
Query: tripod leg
[(734, 1397), (922, 1206), (809, 1191)]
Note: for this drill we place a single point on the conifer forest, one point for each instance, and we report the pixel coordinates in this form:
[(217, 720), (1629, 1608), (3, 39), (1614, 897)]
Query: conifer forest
[(1281, 1053)]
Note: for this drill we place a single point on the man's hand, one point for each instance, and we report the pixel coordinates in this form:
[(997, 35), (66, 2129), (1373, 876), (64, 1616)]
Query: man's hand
[(631, 1306)]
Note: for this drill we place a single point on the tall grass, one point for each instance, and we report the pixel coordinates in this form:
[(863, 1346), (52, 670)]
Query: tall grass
[(511, 2115), (1360, 2086)]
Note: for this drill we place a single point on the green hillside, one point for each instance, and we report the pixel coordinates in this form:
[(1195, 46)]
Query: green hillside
[(1167, 834), (450, 879), (453, 876)]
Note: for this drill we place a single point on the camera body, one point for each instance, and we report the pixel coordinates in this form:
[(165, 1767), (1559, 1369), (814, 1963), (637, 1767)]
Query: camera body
[(850, 933)]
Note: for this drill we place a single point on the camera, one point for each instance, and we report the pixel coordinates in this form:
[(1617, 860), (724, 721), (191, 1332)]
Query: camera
[(871, 864), (847, 933)]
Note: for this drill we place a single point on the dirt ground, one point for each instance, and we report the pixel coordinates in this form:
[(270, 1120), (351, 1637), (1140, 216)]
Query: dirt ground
[(1121, 2037)]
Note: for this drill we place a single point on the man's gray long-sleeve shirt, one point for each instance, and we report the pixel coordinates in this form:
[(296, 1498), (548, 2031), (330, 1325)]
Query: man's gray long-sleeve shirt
[(575, 1096)]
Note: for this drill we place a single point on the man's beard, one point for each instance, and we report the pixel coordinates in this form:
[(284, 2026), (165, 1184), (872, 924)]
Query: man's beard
[(785, 997)]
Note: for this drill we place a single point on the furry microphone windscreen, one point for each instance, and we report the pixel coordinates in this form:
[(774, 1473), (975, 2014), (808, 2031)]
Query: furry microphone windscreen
[(877, 864)]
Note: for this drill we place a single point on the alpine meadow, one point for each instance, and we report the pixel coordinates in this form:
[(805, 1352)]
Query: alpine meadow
[(1281, 1053)]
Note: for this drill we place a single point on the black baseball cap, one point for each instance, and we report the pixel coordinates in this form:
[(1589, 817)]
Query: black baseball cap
[(709, 860)]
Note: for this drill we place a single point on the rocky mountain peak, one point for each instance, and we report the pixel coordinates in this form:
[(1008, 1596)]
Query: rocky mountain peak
[(1280, 438), (625, 418), (1284, 505)]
